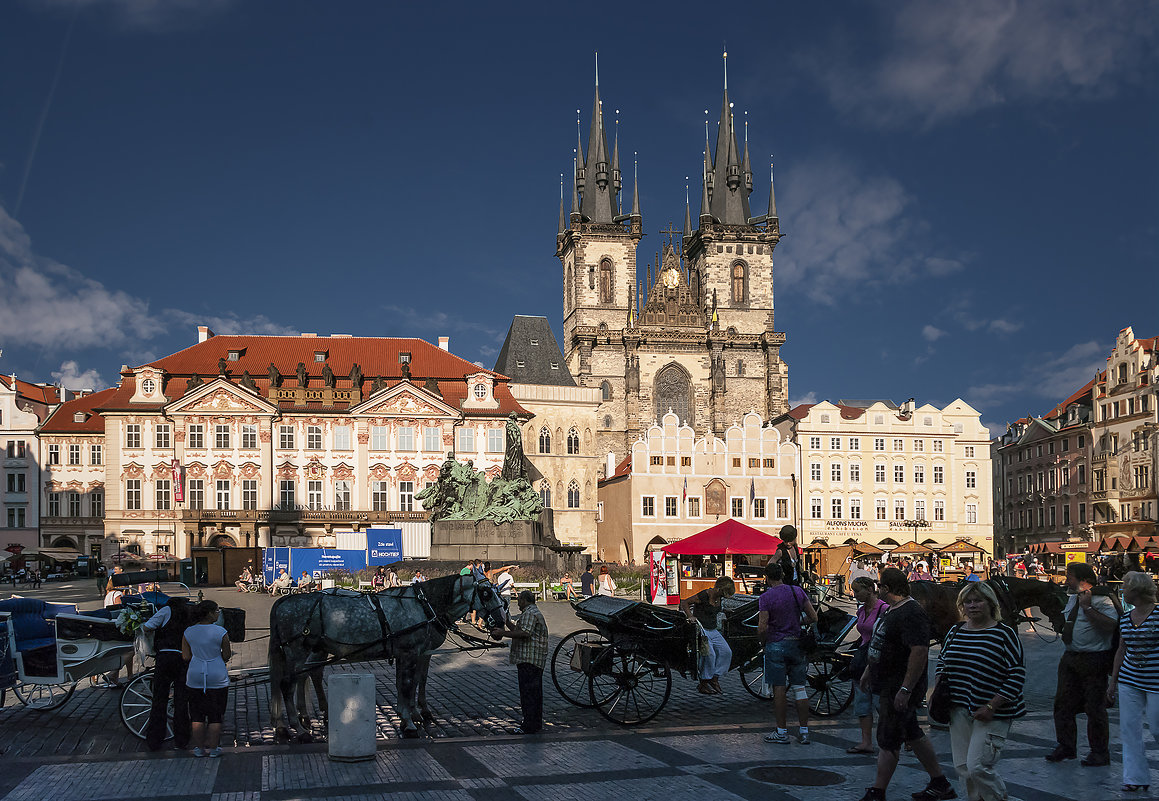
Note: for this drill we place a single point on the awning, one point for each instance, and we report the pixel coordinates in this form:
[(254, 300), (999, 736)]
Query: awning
[(962, 546), (865, 547), (61, 554), (729, 537), (1122, 542)]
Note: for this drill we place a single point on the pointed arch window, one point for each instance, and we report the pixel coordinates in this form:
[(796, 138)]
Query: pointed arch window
[(740, 283), (545, 494), (606, 391), (607, 293), (572, 442), (544, 440), (573, 495), (673, 390)]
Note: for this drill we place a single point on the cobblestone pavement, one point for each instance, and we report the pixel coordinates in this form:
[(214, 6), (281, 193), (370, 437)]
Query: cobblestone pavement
[(698, 746)]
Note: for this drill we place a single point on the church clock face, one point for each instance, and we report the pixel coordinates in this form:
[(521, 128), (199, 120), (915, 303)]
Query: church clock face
[(671, 278)]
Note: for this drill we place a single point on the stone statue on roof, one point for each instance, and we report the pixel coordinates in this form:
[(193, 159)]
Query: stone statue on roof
[(406, 371), (379, 383), (355, 375), (301, 374), (193, 382), (274, 376), (247, 381), (327, 375), (222, 367)]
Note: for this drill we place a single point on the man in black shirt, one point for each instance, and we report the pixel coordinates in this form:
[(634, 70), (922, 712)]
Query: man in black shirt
[(588, 583), (898, 655)]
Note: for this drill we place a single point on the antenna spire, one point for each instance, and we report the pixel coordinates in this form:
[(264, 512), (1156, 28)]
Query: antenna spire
[(726, 68), (597, 68)]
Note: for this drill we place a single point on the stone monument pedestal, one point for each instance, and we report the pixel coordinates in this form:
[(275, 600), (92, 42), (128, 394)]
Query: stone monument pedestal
[(511, 542)]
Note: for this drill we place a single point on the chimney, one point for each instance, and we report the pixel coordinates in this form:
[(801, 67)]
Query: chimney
[(445, 343), (203, 333), (310, 335), (611, 468)]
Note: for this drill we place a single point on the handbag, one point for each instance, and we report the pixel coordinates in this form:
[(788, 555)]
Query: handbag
[(808, 637), (938, 707)]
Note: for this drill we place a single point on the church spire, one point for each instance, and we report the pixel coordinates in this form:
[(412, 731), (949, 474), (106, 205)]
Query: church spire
[(598, 203), (730, 198), (687, 212), (576, 214), (746, 167), (635, 185), (772, 215), (562, 217)]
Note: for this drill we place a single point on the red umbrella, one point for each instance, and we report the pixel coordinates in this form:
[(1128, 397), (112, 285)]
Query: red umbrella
[(729, 537)]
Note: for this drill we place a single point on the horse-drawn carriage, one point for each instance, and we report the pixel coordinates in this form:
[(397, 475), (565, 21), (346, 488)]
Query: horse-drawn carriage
[(623, 666)]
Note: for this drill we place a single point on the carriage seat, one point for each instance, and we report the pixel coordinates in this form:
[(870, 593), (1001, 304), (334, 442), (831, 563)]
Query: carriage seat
[(30, 622)]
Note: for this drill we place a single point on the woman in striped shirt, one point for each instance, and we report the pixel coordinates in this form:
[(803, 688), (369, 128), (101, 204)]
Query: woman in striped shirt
[(982, 661), (1136, 672)]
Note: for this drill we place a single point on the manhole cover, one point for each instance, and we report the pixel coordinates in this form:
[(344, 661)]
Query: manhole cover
[(791, 774)]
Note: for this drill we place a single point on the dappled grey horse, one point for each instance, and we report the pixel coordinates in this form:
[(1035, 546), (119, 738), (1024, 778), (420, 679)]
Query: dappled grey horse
[(311, 630)]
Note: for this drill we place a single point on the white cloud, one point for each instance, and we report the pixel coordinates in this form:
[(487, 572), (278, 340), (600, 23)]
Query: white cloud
[(932, 333), (947, 59), (55, 308), (1001, 326), (1045, 382), (962, 311), (809, 397), (995, 429), (148, 15), (70, 377), (849, 230)]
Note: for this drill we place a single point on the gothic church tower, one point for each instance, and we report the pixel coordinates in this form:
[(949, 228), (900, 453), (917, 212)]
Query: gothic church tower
[(697, 338)]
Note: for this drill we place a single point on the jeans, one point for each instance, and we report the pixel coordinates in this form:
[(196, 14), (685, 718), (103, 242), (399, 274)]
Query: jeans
[(1135, 707), (531, 696), (784, 664), (863, 702), (1082, 687), (170, 673), (718, 659), (976, 746)]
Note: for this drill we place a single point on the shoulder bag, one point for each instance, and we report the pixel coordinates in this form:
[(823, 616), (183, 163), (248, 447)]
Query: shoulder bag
[(807, 637)]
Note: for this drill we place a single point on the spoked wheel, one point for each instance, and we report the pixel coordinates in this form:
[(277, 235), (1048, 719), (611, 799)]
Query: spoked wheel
[(627, 689), (137, 702), (43, 697), (570, 663), (752, 676), (828, 685)]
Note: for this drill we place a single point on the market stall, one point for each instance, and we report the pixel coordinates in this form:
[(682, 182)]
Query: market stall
[(715, 552), (953, 558)]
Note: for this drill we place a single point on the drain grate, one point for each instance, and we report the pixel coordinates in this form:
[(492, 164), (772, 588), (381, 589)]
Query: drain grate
[(794, 775)]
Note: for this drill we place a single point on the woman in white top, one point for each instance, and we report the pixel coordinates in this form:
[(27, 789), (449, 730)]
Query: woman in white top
[(205, 647), (607, 583)]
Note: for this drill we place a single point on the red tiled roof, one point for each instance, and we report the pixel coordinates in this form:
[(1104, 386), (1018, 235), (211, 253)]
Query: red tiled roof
[(61, 421), (624, 468), (848, 412), (801, 412), (40, 393), (375, 356), (1078, 395)]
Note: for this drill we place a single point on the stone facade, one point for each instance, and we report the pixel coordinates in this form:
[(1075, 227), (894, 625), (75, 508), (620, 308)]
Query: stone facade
[(869, 472), (676, 484), (23, 406), (1125, 437)]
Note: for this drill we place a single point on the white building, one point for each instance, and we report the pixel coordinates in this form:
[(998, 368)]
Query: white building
[(23, 406), (876, 473)]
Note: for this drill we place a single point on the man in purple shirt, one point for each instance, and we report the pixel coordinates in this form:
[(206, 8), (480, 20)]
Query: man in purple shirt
[(779, 624)]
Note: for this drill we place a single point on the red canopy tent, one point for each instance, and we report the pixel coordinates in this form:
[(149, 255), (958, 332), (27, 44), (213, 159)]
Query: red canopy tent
[(729, 537)]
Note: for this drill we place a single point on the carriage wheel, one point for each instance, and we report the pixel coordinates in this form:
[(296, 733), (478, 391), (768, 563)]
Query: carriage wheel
[(752, 676), (627, 689), (43, 697), (572, 682), (137, 703), (828, 685)]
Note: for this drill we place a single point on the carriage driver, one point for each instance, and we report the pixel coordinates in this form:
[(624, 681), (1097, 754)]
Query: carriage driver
[(168, 624)]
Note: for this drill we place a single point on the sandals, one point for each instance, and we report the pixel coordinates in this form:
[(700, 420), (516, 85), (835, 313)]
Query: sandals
[(1134, 788), (704, 688)]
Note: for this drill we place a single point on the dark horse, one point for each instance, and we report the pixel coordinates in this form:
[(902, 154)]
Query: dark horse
[(406, 624), (1014, 595)]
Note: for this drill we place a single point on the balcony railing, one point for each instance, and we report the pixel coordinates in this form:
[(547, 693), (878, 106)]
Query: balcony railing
[(299, 516)]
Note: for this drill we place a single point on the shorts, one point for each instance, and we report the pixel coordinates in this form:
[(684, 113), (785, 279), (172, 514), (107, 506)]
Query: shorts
[(208, 706), (893, 727), (863, 701), (783, 659)]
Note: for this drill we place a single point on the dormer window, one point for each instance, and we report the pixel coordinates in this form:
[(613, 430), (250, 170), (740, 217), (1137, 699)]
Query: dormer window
[(78, 417), (518, 363), (404, 358), (535, 342), (319, 356), (555, 365), (481, 391), (234, 355)]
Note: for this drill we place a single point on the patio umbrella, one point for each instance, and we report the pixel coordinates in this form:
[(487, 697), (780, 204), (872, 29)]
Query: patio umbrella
[(729, 537)]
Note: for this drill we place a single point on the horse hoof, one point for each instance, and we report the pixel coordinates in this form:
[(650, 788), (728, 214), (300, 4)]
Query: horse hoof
[(282, 735), (305, 737), (410, 734)]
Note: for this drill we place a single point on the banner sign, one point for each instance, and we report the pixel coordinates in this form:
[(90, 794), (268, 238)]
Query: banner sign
[(178, 481), (317, 562), (384, 546), (274, 560)]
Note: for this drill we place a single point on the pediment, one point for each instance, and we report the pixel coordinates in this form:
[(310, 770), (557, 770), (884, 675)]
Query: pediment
[(221, 397), (404, 400)]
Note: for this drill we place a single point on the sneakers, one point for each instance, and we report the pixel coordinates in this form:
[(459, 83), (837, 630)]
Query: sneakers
[(781, 738), (197, 752), (873, 794), (936, 790), (215, 753), (803, 738)]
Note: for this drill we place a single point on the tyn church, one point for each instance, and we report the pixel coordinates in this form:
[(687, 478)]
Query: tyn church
[(698, 336)]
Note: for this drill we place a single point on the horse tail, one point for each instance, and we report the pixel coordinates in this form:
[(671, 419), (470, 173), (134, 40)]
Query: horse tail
[(277, 665)]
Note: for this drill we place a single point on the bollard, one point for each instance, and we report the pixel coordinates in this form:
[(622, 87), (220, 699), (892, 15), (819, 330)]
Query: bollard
[(351, 727)]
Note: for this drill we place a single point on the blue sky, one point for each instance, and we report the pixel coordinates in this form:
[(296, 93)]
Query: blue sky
[(969, 191)]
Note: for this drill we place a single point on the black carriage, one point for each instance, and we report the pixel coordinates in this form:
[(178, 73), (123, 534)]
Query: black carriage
[(623, 666)]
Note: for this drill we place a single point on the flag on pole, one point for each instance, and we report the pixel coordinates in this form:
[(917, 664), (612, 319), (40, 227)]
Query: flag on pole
[(684, 497), (752, 491)]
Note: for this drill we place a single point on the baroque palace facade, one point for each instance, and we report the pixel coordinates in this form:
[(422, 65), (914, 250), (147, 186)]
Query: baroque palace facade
[(697, 337), (267, 441)]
